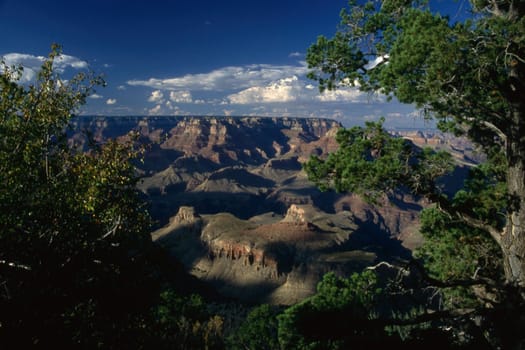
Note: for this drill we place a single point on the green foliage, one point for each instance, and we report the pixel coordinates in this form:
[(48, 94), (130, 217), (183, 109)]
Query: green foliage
[(337, 317), (453, 251), (484, 195), (371, 162), (74, 265), (184, 323), (258, 331), (336, 54), (428, 167), (457, 72), (367, 162), (468, 75)]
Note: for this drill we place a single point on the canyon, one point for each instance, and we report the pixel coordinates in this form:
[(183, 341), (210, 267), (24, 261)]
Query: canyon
[(232, 203)]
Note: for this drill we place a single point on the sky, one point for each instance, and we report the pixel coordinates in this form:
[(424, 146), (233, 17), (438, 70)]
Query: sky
[(192, 57)]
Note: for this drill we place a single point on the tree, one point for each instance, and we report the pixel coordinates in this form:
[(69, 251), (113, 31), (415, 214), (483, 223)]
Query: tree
[(468, 74), (455, 251), (337, 317), (370, 162), (183, 322), (258, 331), (74, 236)]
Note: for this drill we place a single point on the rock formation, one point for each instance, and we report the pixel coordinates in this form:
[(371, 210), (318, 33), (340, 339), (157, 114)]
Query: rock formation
[(269, 257), (223, 140), (235, 207)]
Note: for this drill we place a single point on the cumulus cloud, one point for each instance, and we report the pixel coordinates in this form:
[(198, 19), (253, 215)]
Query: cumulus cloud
[(342, 95), (283, 90), (293, 89), (248, 86), (223, 79), (157, 110), (64, 61), (156, 96), (377, 61), (183, 96), (32, 64), (95, 96), (111, 101)]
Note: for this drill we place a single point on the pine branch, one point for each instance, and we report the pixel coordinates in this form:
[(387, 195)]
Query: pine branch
[(475, 281)]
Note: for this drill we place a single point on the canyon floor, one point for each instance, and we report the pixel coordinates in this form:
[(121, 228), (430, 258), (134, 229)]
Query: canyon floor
[(232, 203)]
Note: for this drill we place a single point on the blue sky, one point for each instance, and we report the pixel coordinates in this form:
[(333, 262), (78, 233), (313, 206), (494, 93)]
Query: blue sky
[(191, 57)]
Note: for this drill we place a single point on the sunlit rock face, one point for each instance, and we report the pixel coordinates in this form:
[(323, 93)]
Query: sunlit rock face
[(232, 202), (280, 258), (222, 140), (243, 165)]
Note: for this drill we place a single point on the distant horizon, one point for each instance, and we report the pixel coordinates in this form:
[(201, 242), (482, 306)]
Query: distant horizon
[(393, 127)]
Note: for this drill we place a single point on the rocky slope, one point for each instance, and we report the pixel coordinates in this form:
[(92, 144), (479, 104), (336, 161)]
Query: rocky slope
[(273, 258), (463, 150), (244, 166), (234, 206), (222, 140)]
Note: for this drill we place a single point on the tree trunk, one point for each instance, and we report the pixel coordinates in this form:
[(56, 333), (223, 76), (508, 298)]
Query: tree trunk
[(513, 238)]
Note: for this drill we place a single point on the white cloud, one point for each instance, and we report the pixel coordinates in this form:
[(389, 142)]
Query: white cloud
[(245, 85), (32, 64), (294, 89), (342, 95), (111, 101), (337, 114), (377, 61), (121, 87), (157, 110), (166, 108), (295, 54), (95, 96), (227, 78), (64, 61), (261, 89), (181, 96), (283, 90), (156, 96), (395, 115)]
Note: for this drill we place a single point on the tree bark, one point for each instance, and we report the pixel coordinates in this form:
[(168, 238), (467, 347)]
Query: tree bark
[(513, 237)]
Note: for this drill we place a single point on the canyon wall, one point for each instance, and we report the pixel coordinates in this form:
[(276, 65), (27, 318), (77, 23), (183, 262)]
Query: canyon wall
[(232, 202)]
